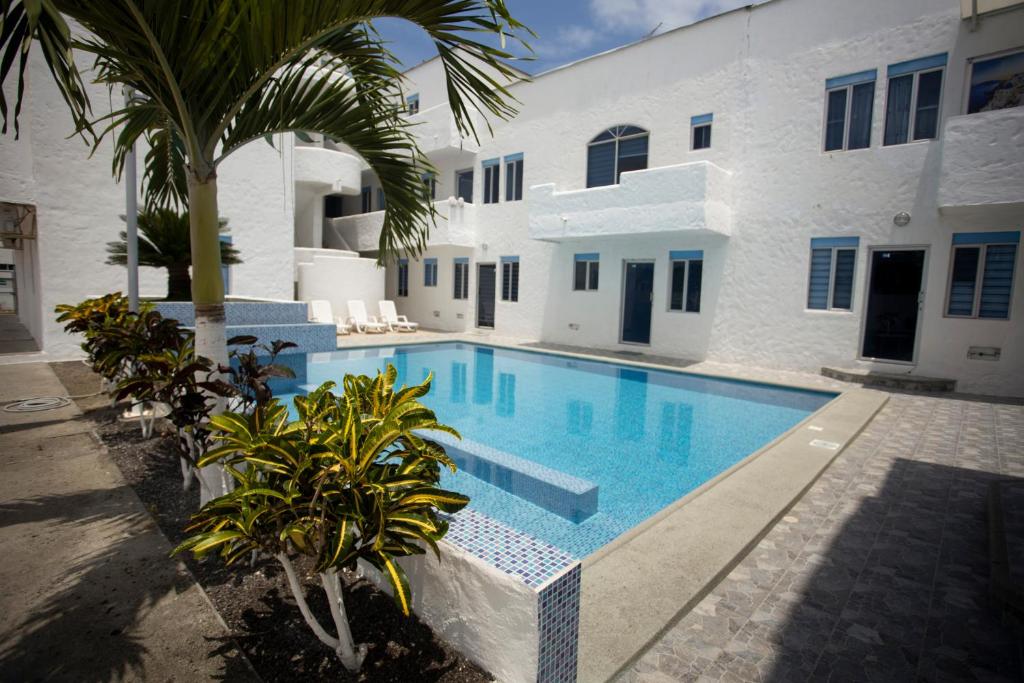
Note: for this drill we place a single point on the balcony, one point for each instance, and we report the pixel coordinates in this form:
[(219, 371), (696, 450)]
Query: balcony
[(436, 132), (691, 198), (327, 171), (456, 226), (983, 162)]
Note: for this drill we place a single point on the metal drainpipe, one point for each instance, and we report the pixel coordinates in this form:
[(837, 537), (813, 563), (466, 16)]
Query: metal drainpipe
[(131, 218)]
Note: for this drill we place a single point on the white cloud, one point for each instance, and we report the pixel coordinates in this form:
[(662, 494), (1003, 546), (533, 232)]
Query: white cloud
[(645, 15), (567, 41)]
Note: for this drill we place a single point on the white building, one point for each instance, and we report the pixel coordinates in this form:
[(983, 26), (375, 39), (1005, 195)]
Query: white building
[(797, 184)]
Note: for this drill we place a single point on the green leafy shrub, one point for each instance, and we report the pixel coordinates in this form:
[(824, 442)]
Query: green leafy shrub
[(353, 478)]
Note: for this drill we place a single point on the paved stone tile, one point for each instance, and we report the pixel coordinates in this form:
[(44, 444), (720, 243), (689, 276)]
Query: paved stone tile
[(880, 571)]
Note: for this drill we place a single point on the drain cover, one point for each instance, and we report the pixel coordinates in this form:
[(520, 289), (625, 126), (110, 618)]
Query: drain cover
[(32, 405)]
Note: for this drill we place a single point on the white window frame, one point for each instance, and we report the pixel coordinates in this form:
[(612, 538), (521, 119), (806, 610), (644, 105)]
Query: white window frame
[(686, 283), (586, 279), (412, 102), (911, 129), (971, 61), (403, 269), (616, 140), (979, 277), (693, 136), (460, 286), (487, 173), (513, 297), (833, 263), (848, 117)]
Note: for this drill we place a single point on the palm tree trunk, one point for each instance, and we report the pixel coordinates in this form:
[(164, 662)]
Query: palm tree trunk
[(179, 283), (207, 298)]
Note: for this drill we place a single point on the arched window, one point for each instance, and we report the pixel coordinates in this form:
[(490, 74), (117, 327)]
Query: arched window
[(615, 151)]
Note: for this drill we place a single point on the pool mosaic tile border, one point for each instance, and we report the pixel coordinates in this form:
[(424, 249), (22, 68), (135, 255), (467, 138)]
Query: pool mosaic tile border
[(558, 611)]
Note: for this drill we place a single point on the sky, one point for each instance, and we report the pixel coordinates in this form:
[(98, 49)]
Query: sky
[(568, 30)]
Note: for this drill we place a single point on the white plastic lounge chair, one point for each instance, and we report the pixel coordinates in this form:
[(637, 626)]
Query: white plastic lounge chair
[(320, 312), (396, 323), (360, 321)]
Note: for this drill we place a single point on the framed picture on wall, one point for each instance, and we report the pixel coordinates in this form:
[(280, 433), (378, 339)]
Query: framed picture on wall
[(996, 82)]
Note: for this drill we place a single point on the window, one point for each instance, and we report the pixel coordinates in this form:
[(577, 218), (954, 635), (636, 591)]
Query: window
[(403, 277), (912, 102), (585, 272), (430, 182), (464, 185), (412, 104), (993, 80), (513, 177), (684, 288), (430, 272), (461, 278), (510, 278), (366, 197), (981, 274), (700, 131), (492, 184), (615, 151), (381, 203), (831, 279), (848, 104)]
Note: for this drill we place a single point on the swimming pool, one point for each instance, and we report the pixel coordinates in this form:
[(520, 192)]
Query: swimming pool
[(575, 452)]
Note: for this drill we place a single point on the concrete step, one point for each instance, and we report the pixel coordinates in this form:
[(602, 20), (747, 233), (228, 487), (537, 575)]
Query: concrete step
[(888, 380)]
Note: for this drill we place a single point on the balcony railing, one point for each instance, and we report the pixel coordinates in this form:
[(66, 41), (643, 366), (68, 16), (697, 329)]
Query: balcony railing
[(982, 161), (686, 198), (435, 131), (456, 226), (327, 170)]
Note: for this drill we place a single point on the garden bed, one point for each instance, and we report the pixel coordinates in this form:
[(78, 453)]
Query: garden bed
[(256, 603)]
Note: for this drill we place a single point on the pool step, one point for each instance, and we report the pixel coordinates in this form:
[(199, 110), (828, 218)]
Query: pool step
[(567, 496), (886, 380)]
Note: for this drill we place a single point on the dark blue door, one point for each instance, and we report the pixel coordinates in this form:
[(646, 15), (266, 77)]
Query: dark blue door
[(637, 299)]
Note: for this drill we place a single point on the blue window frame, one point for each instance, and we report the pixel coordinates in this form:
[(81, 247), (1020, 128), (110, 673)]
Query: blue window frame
[(912, 100), (430, 182), (981, 274), (430, 272), (849, 101), (403, 277), (833, 261), (586, 272), (510, 278), (615, 151), (461, 278), (492, 180), (687, 271), (700, 131), (367, 198), (514, 177), (412, 104)]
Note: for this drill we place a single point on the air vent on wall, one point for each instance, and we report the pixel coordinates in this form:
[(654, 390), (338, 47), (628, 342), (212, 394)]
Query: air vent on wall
[(983, 352)]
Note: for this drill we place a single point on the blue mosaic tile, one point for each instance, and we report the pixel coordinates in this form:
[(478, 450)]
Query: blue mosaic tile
[(516, 553), (558, 614)]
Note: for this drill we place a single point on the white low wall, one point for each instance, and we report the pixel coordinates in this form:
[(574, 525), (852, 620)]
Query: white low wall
[(487, 615), (339, 279)]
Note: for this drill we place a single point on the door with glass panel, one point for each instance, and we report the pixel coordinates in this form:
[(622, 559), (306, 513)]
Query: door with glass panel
[(637, 301), (485, 286), (895, 300)]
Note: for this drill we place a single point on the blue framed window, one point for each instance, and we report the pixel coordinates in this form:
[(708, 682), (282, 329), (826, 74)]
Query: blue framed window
[(510, 278), (412, 104), (225, 270), (687, 272), (700, 131), (403, 277), (430, 182), (492, 180), (381, 201), (430, 272), (586, 272), (981, 274), (367, 198), (461, 278), (830, 286), (849, 101), (615, 151), (514, 177), (464, 185), (912, 100)]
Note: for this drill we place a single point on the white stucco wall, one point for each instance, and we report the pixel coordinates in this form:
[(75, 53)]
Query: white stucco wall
[(79, 204), (322, 275), (764, 83)]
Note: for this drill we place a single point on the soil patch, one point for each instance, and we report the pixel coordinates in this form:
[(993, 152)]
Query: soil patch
[(255, 601)]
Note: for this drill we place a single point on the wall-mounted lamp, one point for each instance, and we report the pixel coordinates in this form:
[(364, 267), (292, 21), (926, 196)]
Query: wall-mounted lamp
[(901, 219)]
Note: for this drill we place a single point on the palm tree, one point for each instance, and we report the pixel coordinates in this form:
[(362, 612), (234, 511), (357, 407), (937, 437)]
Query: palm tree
[(211, 76), (164, 242)]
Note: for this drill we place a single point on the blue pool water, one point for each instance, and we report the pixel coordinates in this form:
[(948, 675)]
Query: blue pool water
[(643, 438)]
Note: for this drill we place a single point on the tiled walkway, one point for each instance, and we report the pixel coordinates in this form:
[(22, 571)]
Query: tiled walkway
[(880, 572)]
